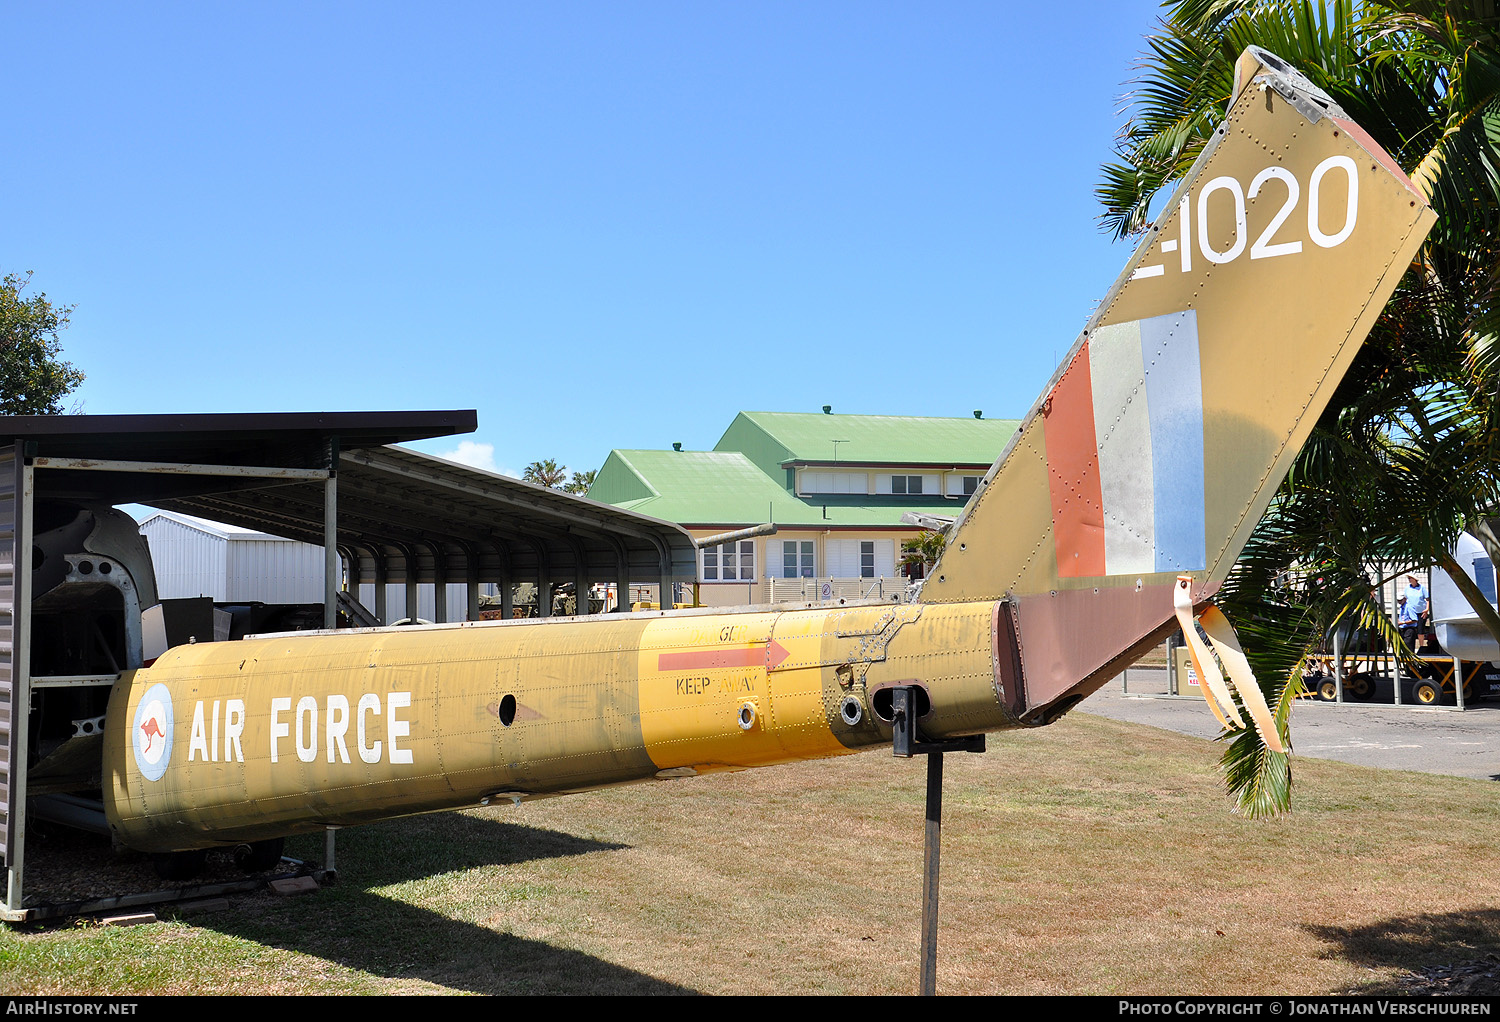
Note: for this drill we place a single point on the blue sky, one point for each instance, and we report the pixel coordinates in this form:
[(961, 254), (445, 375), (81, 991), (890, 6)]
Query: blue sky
[(600, 225)]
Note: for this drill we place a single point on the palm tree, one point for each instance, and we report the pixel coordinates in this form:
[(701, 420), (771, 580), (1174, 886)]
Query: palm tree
[(546, 473), (1404, 455), (581, 481)]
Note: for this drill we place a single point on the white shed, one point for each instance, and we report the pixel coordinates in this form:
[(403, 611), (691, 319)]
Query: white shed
[(194, 557)]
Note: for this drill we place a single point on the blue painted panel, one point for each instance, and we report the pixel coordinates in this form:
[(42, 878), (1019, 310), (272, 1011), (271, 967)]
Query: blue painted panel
[(1174, 389)]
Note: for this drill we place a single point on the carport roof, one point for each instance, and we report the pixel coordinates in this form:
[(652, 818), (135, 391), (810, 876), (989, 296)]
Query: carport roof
[(230, 438)]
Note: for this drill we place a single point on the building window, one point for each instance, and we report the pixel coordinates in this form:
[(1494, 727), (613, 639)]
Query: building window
[(797, 558), (833, 482), (860, 558), (963, 485), (907, 484), (729, 562)]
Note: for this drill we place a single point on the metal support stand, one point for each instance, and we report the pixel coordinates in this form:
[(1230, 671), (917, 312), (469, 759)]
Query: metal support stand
[(1338, 666), (906, 742), (330, 867)]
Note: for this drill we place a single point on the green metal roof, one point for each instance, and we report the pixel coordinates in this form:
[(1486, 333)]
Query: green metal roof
[(715, 488), (772, 438)]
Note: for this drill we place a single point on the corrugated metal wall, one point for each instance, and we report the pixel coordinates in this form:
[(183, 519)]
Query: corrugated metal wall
[(395, 600), (273, 571), (8, 510), (189, 561)]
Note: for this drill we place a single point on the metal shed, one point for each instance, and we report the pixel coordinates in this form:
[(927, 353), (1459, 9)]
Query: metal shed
[(228, 564)]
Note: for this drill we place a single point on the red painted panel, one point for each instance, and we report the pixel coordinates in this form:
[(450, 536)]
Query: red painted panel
[(1073, 472), (1372, 147), (1074, 640)]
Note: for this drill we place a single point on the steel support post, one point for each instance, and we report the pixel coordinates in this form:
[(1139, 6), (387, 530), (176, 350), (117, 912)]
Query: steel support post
[(331, 551), (622, 580), (380, 584), (507, 580), (439, 583), (1338, 666), (20, 679), (471, 583), (907, 741), (932, 839), (413, 587)]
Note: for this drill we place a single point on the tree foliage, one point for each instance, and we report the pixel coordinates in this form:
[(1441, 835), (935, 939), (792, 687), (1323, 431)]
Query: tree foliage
[(546, 473), (33, 377), (922, 551), (550, 474), (1404, 455), (581, 482)]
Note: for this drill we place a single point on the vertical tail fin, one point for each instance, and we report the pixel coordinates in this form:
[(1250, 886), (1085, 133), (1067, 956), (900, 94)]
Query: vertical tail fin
[(1162, 438)]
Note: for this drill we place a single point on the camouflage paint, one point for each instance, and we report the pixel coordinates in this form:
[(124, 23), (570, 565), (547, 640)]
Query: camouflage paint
[(1281, 247)]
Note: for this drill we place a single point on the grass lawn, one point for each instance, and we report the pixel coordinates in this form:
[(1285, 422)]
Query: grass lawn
[(1091, 857)]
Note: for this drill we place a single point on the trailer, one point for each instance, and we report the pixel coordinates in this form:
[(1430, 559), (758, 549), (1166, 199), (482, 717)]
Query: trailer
[(1435, 681)]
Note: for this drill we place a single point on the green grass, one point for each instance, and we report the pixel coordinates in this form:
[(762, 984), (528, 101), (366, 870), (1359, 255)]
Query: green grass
[(1089, 857)]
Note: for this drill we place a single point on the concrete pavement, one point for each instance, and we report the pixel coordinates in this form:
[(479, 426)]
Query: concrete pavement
[(1436, 740)]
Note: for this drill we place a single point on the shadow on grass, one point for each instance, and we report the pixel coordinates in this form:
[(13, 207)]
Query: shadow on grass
[(355, 925), (1416, 942), (422, 846), (395, 940)]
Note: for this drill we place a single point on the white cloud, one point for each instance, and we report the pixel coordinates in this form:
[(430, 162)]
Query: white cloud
[(476, 455)]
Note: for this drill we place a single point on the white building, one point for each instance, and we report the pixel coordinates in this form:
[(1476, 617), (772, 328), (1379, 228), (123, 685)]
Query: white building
[(194, 557)]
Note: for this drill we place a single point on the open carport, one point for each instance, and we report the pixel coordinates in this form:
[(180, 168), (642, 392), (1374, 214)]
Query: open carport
[(384, 515)]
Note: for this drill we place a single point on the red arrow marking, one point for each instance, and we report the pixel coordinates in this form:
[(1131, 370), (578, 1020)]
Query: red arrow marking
[(768, 656)]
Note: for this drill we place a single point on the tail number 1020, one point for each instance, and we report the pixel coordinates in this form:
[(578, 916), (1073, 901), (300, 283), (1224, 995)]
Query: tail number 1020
[(1265, 246)]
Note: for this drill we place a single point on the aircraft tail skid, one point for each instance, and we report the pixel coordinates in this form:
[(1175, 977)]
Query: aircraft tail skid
[(1166, 430)]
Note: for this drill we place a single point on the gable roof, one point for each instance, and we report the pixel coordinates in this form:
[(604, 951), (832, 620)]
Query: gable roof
[(771, 439), (689, 486), (748, 478), (216, 529), (724, 488)]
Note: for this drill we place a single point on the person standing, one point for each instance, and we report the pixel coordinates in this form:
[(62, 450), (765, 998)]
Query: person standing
[(1411, 610)]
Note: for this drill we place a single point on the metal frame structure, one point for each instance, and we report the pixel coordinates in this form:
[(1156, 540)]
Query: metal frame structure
[(393, 515), (405, 516)]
